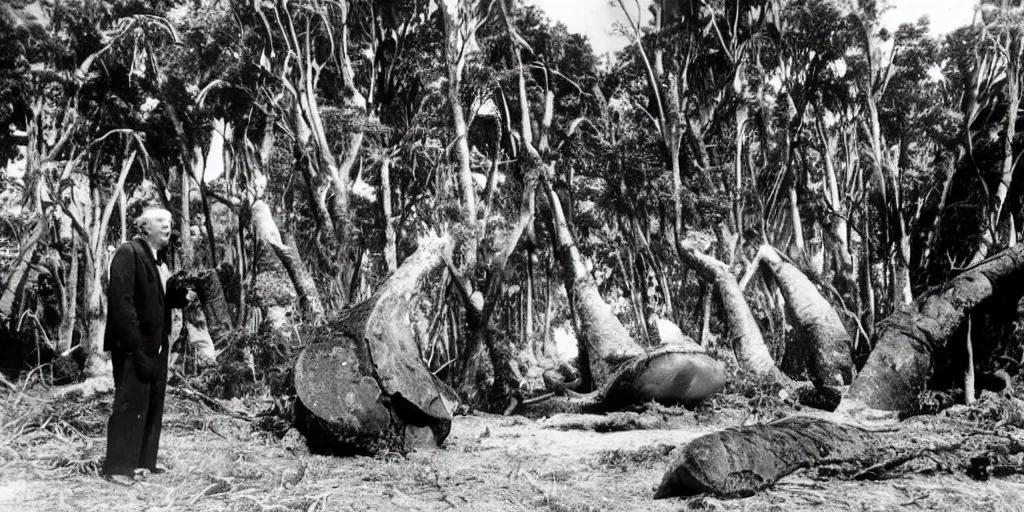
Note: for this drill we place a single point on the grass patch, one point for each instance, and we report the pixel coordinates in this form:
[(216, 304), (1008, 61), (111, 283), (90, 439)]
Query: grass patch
[(628, 460)]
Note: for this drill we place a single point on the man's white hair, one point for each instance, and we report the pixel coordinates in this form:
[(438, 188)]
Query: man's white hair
[(149, 215)]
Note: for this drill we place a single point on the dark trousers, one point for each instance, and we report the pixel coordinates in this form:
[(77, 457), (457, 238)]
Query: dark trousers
[(133, 432)]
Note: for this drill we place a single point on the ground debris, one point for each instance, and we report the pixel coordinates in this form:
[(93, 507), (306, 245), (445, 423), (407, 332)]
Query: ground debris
[(611, 422)]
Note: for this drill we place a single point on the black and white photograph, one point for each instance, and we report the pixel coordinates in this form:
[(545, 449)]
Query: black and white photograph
[(511, 255)]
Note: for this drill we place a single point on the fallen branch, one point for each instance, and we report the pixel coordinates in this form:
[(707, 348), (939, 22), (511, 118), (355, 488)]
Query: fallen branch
[(7, 384), (190, 392)]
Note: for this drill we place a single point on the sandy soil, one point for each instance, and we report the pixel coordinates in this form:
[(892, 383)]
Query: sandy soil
[(488, 463)]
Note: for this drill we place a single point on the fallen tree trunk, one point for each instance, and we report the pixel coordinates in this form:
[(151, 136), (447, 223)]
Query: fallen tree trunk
[(604, 342), (741, 461), (905, 343), (747, 340), (621, 370), (669, 375), (208, 323), (822, 345), (309, 298), (361, 384)]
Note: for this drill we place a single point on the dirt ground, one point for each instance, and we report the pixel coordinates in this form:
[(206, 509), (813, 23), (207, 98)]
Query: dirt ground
[(564, 463)]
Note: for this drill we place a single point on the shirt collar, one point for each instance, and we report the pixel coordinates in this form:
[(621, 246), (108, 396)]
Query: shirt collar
[(156, 256)]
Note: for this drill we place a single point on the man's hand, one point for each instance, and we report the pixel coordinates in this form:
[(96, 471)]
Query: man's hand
[(179, 291)]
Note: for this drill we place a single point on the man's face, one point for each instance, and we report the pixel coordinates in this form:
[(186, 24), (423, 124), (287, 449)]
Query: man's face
[(158, 231)]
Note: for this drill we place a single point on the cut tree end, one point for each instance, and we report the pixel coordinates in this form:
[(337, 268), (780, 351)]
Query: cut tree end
[(668, 376)]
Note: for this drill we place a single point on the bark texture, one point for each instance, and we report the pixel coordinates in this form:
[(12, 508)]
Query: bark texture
[(747, 340), (362, 385), (215, 307), (741, 461), (906, 342), (604, 342), (309, 297), (822, 343)]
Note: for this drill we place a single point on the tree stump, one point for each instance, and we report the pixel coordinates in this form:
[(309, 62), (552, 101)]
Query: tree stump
[(362, 385)]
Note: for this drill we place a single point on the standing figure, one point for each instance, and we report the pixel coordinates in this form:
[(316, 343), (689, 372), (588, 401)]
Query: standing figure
[(138, 321)]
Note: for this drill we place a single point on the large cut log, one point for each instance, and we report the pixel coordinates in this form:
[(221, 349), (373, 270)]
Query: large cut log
[(670, 375), (361, 383), (906, 343), (741, 461), (821, 345)]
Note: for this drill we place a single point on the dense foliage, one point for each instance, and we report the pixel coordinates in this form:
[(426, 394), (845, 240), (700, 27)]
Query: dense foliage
[(309, 144)]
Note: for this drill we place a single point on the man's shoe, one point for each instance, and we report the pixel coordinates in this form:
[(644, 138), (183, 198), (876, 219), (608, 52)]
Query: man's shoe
[(158, 470), (124, 480)]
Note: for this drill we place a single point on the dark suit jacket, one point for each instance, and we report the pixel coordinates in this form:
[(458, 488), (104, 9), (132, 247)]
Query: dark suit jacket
[(136, 316)]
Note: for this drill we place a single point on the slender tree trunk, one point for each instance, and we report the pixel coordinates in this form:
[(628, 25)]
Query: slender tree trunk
[(69, 315), (903, 293), (969, 395), (547, 345), (17, 276), (185, 239), (459, 23), (846, 270), (95, 315), (935, 232), (390, 246), (122, 211), (677, 188), (1012, 111), (741, 120), (798, 228), (266, 229), (210, 236), (465, 175), (528, 306), (867, 279), (705, 314)]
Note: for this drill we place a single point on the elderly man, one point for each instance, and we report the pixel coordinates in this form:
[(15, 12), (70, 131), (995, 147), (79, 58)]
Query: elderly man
[(138, 321)]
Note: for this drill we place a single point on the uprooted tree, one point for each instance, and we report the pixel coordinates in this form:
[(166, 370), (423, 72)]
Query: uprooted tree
[(739, 462), (821, 346)]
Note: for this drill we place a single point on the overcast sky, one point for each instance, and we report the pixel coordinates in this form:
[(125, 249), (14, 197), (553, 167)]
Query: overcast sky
[(596, 18)]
